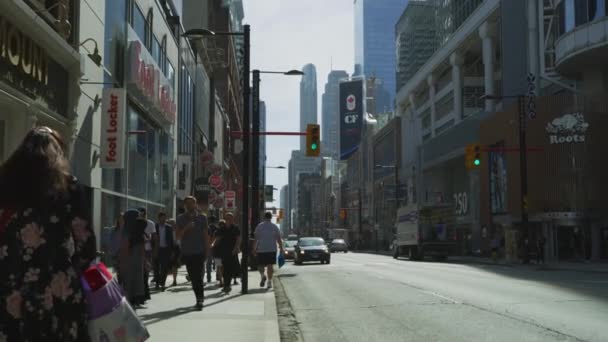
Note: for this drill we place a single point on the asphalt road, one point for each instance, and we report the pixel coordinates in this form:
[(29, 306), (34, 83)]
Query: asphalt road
[(362, 297)]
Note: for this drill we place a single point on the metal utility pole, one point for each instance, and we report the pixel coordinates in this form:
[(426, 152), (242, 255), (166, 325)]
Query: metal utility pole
[(246, 160), (523, 167), (255, 153)]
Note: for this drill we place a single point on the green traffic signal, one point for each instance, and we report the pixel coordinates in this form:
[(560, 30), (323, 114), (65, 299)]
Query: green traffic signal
[(313, 147), (477, 162)]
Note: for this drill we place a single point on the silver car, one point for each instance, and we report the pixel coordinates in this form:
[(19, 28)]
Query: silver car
[(338, 245)]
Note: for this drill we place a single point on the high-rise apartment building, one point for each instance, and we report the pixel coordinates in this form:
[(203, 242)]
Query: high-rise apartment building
[(374, 44), (308, 100), (330, 127)]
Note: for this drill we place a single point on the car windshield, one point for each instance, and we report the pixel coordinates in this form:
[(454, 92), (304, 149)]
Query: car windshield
[(290, 244), (311, 242)]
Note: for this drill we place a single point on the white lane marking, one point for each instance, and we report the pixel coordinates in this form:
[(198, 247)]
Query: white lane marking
[(435, 294)]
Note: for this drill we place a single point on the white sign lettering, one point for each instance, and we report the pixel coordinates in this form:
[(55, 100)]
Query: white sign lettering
[(150, 82), (567, 129), (461, 203), (113, 134), (351, 119)]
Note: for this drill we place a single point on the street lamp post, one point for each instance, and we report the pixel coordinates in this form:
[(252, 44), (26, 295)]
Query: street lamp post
[(255, 159), (200, 34), (523, 158)]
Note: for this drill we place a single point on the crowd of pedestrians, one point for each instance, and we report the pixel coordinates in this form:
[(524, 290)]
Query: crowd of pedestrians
[(46, 243)]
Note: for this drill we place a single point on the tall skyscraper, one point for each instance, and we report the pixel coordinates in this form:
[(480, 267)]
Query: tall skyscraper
[(374, 44), (330, 127), (308, 100)]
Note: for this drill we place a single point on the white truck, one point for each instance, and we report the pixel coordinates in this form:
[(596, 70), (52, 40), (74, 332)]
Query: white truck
[(424, 231)]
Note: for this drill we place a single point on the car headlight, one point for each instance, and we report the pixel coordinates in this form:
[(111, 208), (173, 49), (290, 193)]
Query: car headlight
[(301, 252)]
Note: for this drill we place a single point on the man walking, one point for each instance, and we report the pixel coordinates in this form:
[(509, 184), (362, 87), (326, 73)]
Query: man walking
[(164, 240), (267, 237), (193, 233)]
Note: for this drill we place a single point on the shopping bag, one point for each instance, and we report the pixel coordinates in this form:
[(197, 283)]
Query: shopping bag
[(101, 291), (280, 260), (96, 276), (122, 324)]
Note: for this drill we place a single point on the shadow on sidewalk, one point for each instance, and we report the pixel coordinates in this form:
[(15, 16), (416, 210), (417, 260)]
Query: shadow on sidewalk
[(156, 317)]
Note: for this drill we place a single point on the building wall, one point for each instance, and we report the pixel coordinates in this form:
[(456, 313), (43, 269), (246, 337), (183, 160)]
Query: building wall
[(331, 114)]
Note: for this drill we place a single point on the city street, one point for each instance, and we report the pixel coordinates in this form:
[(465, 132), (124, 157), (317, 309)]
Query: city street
[(364, 297)]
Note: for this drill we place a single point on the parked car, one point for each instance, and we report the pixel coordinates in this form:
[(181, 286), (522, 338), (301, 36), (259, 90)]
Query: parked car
[(338, 245), (312, 249), (290, 247)]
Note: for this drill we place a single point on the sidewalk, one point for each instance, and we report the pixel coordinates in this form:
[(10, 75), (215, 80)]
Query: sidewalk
[(170, 316)]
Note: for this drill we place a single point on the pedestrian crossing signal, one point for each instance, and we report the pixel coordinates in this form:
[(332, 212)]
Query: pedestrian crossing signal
[(313, 140), (472, 156)]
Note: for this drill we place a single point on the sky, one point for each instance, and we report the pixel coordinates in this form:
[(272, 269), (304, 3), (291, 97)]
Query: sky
[(285, 35)]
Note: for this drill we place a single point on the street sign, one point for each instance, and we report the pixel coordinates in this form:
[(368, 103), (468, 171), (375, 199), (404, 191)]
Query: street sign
[(230, 197), (215, 181)]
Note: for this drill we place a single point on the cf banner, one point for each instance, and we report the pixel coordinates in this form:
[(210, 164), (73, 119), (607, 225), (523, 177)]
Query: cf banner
[(351, 117)]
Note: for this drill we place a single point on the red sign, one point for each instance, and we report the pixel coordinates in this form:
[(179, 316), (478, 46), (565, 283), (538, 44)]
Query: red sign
[(221, 187), (230, 197), (113, 133), (149, 80), (215, 181)]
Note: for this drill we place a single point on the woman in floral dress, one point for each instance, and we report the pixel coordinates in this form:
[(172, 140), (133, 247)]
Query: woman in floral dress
[(45, 243)]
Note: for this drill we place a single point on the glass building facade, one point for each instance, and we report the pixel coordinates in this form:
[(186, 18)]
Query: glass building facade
[(147, 179), (374, 43), (574, 13)]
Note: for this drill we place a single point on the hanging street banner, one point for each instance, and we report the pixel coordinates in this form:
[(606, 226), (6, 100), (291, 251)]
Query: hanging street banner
[(351, 117), (113, 128)]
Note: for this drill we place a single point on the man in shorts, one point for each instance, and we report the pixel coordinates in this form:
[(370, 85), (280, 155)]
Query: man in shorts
[(267, 237)]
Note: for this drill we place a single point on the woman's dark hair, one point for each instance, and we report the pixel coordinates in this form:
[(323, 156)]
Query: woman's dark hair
[(36, 170)]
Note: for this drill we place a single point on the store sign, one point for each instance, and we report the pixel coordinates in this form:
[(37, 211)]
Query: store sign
[(351, 112), (461, 203), (567, 129), (113, 134), (230, 198), (26, 67), (147, 78), (215, 181)]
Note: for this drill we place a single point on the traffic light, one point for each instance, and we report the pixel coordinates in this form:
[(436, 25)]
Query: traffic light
[(313, 140), (472, 158)]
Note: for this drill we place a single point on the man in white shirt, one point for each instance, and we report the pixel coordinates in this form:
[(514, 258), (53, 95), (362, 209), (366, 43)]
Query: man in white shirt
[(267, 237), (150, 229)]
